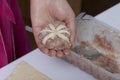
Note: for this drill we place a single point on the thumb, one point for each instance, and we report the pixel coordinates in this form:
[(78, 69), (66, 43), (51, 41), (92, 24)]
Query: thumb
[(70, 22)]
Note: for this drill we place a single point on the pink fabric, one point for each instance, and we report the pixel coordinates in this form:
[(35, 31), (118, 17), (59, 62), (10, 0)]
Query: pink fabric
[(13, 39)]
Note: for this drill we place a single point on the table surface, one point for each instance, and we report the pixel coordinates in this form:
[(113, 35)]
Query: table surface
[(55, 68), (111, 16), (58, 69)]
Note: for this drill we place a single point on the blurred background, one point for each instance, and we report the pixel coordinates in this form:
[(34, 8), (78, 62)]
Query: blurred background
[(92, 7)]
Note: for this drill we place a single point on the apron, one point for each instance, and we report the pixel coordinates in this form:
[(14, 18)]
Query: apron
[(13, 38)]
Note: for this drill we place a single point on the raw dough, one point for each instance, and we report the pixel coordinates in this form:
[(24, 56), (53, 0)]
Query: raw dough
[(24, 71)]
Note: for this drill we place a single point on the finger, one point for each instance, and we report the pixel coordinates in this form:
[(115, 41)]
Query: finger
[(70, 22), (44, 50), (40, 36), (72, 28), (40, 45), (52, 52), (66, 51), (59, 54), (38, 28)]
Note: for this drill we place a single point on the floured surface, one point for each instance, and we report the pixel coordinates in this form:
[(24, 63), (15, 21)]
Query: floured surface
[(24, 71)]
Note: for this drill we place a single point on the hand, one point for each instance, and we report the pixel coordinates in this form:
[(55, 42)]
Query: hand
[(44, 12)]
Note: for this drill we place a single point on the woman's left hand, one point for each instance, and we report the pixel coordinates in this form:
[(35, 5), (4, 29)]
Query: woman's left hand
[(44, 12)]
